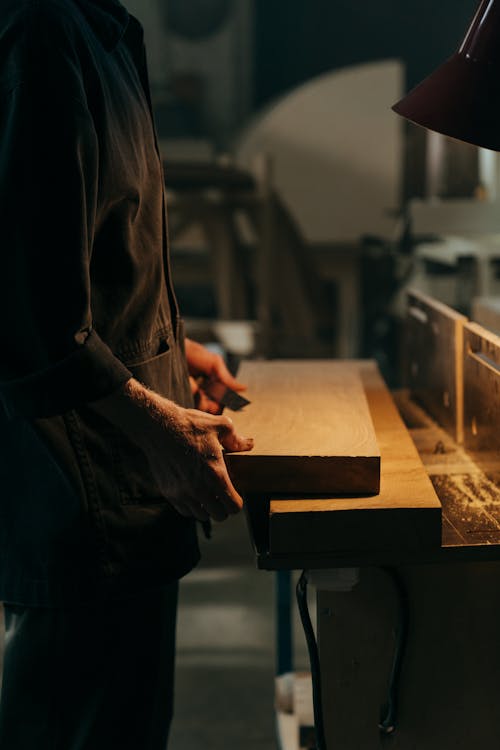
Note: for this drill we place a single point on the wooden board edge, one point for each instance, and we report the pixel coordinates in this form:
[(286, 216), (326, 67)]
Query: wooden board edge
[(459, 381), (484, 333), (388, 530), (361, 474), (435, 304)]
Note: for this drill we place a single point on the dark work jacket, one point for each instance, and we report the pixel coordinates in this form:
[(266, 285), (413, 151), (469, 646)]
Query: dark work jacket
[(86, 301)]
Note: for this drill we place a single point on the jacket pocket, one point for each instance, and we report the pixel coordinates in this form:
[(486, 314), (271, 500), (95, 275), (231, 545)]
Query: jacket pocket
[(131, 469)]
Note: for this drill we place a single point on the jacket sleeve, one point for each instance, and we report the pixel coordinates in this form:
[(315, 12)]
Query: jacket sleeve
[(51, 358)]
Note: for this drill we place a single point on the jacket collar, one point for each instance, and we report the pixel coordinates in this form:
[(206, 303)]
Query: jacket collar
[(108, 18)]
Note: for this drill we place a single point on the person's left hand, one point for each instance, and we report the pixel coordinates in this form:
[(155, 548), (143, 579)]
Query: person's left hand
[(202, 362)]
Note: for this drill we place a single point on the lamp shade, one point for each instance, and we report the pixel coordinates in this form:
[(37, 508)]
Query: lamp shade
[(461, 98)]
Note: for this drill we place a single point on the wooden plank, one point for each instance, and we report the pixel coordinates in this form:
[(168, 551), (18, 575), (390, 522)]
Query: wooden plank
[(433, 359), (405, 515), (470, 499), (312, 428)]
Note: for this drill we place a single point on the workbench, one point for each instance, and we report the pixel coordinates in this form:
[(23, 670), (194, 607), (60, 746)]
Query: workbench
[(450, 685)]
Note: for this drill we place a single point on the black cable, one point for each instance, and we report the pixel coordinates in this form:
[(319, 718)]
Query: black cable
[(389, 712), (312, 648)]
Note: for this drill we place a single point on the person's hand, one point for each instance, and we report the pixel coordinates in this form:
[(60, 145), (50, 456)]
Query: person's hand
[(184, 448), (204, 363), (194, 478)]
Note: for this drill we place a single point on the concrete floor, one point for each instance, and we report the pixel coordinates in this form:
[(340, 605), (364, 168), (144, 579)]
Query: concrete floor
[(225, 649)]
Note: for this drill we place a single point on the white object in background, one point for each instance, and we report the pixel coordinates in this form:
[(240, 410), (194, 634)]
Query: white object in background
[(482, 248), (236, 336), (448, 250), (336, 148), (459, 216), (294, 707)]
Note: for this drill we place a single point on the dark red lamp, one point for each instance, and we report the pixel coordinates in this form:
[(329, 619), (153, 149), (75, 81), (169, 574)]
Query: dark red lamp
[(461, 98)]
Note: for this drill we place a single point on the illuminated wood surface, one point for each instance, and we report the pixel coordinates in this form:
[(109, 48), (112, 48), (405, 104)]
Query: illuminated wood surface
[(312, 429), (405, 515)]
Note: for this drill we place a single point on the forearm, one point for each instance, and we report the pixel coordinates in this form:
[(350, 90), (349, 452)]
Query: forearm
[(138, 411)]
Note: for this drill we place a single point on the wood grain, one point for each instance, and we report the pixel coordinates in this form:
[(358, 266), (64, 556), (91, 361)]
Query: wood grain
[(469, 494), (312, 429), (405, 515)]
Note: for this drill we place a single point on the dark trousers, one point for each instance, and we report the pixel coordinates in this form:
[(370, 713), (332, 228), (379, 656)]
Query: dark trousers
[(90, 678)]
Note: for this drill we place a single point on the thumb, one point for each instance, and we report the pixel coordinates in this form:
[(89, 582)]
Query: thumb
[(229, 439)]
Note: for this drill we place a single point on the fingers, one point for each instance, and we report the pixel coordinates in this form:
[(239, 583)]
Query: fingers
[(224, 429), (193, 385), (217, 508), (204, 403), (201, 400), (220, 498), (222, 373), (204, 488), (224, 488), (210, 492), (230, 440)]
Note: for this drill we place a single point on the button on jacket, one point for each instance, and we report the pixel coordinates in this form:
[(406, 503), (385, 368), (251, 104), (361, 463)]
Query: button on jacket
[(86, 301)]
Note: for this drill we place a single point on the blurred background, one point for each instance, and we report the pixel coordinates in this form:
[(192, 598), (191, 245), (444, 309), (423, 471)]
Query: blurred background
[(300, 206), (301, 209)]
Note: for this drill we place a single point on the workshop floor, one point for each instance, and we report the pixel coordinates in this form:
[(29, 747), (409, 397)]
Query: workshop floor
[(225, 653), (225, 649)]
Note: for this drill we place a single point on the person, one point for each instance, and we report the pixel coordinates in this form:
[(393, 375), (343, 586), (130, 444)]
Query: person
[(105, 465)]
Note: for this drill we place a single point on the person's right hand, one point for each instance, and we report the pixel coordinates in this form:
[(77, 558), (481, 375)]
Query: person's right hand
[(184, 448), (185, 453)]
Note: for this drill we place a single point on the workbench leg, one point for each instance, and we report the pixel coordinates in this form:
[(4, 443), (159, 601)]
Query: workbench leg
[(450, 685)]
